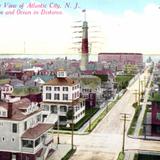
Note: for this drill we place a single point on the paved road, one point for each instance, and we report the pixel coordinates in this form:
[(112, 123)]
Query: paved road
[(105, 141)]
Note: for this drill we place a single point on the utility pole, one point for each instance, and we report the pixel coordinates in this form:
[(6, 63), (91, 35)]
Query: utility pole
[(145, 78), (72, 127), (58, 127), (124, 118), (90, 120), (139, 92), (142, 85), (136, 93)]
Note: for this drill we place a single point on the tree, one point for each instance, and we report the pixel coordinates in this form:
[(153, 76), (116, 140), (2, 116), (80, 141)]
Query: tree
[(70, 114)]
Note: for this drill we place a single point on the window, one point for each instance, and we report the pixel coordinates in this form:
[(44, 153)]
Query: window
[(56, 88), (65, 96), (46, 108), (72, 96), (37, 142), (63, 108), (14, 128), (48, 95), (53, 109), (4, 113), (38, 118), (3, 139), (65, 88), (13, 139), (25, 125), (27, 143), (48, 88), (56, 96)]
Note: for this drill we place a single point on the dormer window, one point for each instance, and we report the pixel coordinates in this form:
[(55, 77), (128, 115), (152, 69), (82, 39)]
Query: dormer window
[(3, 112), (61, 73)]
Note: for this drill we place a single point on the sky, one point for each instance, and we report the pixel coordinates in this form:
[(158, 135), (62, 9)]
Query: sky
[(114, 26)]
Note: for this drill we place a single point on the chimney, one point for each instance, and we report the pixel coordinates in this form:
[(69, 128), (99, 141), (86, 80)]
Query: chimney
[(10, 105)]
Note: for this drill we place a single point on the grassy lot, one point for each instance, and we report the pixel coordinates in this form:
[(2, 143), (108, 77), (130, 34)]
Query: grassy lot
[(145, 114), (123, 80), (135, 118), (69, 154), (121, 156), (88, 114)]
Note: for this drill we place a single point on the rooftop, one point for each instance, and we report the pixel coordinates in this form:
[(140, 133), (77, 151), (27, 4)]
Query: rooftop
[(24, 91), (37, 131), (16, 113), (61, 82), (4, 81), (120, 53)]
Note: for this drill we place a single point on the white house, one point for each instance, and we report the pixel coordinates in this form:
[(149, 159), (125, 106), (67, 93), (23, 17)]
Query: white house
[(61, 95), (5, 91), (23, 135)]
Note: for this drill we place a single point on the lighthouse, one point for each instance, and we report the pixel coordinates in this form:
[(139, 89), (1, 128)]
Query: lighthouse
[(84, 54)]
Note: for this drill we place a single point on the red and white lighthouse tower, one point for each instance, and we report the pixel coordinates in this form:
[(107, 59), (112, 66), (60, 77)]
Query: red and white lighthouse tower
[(84, 55)]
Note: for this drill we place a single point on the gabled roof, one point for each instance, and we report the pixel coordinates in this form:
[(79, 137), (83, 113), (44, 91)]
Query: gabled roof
[(37, 131), (17, 113)]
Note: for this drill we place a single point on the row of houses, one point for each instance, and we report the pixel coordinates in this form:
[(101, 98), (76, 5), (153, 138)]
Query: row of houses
[(27, 124), (152, 119)]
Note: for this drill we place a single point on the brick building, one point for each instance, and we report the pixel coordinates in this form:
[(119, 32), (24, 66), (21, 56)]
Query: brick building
[(121, 58)]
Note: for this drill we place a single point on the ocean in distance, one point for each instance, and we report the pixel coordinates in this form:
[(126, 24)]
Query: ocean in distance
[(92, 57)]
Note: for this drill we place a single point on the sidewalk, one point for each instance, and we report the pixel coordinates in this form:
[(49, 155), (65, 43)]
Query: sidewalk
[(150, 138), (140, 118), (130, 155), (60, 151), (86, 125)]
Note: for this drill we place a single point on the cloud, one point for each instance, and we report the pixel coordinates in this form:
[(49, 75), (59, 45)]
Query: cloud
[(129, 32), (132, 31)]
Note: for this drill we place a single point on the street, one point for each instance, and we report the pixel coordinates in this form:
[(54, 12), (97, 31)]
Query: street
[(105, 142)]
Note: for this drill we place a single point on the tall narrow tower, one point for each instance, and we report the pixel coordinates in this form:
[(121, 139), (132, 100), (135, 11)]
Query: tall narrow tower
[(84, 55)]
